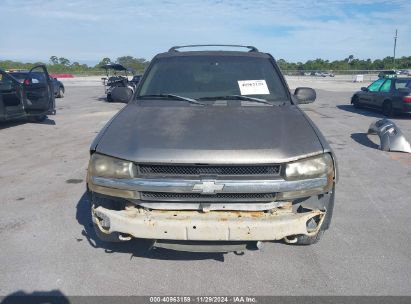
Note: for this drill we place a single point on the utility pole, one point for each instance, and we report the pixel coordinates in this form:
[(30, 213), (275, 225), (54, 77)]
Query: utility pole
[(395, 46)]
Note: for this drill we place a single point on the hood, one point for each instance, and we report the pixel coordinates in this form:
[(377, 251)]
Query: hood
[(162, 133)]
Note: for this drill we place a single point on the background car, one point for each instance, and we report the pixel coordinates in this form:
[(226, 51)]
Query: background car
[(58, 87), (387, 74), (136, 79), (390, 95), (30, 98), (322, 74), (117, 87)]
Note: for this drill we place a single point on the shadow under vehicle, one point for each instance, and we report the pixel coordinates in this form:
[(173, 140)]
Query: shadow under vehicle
[(31, 98), (216, 154), (117, 87), (390, 95)]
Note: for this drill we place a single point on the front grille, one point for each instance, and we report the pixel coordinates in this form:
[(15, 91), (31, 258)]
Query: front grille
[(202, 170), (197, 197)]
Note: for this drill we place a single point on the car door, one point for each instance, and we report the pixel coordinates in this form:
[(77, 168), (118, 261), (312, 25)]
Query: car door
[(10, 97), (367, 98), (383, 93), (38, 97)]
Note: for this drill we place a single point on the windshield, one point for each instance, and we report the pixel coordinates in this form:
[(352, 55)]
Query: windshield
[(37, 77), (201, 77), (19, 76)]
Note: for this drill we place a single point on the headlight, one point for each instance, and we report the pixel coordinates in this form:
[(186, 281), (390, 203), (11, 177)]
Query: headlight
[(313, 167), (318, 166), (105, 166)]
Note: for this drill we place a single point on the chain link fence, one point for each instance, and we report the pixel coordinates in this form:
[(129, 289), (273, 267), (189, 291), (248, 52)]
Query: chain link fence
[(337, 75)]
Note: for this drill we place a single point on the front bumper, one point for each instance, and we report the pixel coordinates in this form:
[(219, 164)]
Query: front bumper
[(210, 226)]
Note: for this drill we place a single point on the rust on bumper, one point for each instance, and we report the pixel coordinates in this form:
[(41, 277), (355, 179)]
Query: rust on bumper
[(210, 226)]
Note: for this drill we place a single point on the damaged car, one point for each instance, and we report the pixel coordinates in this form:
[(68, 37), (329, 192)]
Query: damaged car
[(212, 154), (31, 97), (58, 86), (117, 87)]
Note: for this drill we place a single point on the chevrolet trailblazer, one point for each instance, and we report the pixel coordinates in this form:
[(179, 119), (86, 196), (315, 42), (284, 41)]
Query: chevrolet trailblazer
[(213, 153)]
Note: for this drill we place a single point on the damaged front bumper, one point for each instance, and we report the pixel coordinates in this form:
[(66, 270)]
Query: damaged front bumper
[(391, 137), (210, 226)]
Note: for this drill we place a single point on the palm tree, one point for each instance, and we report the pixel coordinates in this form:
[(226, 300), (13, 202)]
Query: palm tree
[(349, 60)]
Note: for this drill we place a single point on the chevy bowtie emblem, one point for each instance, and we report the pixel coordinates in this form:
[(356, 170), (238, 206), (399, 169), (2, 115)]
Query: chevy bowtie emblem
[(209, 187)]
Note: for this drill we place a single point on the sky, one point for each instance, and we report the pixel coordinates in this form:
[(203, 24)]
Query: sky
[(295, 30)]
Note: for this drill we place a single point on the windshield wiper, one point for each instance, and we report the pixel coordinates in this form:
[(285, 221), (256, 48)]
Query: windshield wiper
[(237, 97), (172, 96)]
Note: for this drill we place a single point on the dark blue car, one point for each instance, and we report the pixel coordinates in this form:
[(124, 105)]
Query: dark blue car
[(390, 95), (58, 86), (30, 98)]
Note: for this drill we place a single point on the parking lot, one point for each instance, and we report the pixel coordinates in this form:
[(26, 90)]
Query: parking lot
[(47, 242)]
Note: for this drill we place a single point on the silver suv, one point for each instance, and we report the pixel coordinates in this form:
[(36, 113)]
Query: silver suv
[(213, 153)]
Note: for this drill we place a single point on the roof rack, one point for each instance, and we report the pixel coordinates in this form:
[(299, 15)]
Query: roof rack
[(251, 48)]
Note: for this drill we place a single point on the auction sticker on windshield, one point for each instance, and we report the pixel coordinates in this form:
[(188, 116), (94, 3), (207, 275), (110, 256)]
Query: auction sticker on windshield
[(252, 87)]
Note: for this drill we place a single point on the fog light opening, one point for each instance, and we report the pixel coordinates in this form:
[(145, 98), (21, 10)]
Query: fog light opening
[(312, 223), (102, 222)]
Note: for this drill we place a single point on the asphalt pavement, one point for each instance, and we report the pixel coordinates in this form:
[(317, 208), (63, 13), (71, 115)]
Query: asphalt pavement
[(47, 242)]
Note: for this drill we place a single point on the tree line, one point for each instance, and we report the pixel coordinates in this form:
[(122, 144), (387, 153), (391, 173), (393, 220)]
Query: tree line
[(137, 65), (349, 63), (64, 65)]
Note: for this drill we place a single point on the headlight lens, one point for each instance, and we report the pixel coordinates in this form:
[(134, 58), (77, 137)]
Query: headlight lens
[(313, 167), (105, 166), (318, 166)]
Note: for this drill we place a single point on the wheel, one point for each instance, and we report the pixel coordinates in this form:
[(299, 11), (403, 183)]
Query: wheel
[(38, 118), (109, 99), (309, 240), (312, 225), (60, 93), (113, 237), (387, 108), (356, 102), (303, 239)]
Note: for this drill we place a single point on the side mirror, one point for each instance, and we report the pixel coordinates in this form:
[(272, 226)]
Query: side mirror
[(365, 89), (305, 95)]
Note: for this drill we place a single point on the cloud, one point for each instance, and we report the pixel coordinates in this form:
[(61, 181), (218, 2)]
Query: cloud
[(294, 29)]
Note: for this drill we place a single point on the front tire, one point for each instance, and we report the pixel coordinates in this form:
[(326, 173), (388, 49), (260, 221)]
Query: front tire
[(387, 108), (356, 102), (113, 237), (309, 240), (312, 225), (302, 239), (60, 93)]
